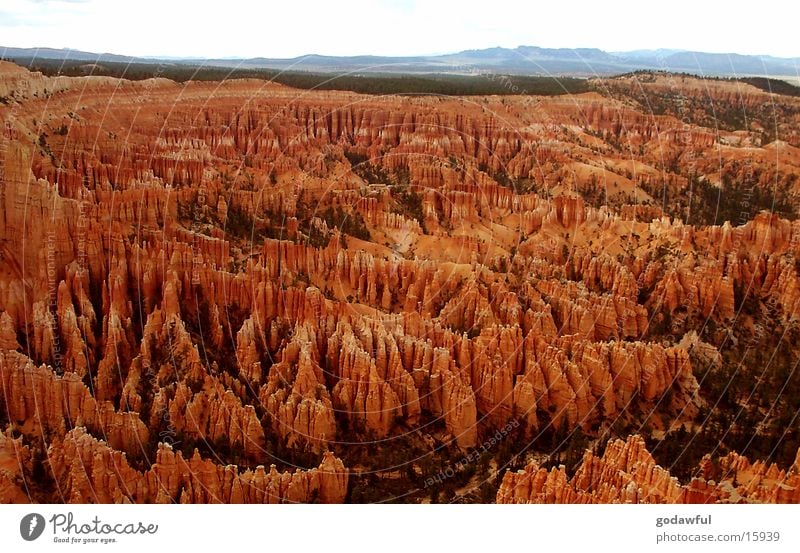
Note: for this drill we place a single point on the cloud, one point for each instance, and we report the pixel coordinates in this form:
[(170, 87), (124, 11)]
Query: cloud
[(240, 28)]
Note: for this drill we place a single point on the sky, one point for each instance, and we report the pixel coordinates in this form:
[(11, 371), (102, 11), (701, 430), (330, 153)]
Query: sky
[(289, 28)]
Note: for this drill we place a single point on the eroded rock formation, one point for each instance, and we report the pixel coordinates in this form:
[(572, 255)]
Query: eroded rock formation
[(265, 276), (627, 473)]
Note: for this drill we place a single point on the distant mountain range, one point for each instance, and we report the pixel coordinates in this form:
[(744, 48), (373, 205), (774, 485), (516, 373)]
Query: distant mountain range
[(523, 60)]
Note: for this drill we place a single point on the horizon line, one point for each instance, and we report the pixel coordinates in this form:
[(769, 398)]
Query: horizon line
[(653, 51)]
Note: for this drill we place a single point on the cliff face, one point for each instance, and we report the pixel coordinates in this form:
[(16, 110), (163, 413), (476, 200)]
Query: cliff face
[(89, 471), (627, 473), (264, 276), (15, 458), (51, 404)]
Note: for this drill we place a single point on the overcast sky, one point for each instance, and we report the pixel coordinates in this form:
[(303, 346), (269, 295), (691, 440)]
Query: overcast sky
[(239, 28)]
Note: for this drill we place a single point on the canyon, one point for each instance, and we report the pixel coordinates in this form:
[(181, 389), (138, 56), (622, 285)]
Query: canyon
[(241, 292)]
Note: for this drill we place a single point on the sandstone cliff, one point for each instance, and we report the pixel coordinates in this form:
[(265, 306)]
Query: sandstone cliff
[(263, 275)]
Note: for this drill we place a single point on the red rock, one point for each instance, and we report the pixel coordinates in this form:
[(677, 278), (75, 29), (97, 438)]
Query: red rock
[(626, 473), (138, 302)]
